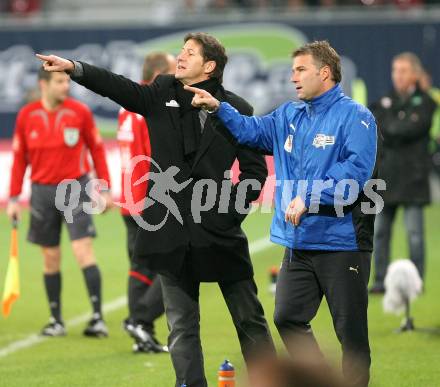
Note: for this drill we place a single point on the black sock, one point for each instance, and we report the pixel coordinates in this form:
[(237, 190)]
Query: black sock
[(136, 298), (52, 283), (92, 277)]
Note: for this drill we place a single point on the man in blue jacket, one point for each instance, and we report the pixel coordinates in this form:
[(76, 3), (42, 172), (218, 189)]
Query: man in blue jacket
[(324, 150)]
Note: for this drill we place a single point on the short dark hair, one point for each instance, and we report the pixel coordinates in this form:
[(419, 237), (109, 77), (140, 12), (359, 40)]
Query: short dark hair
[(155, 62), (323, 55), (43, 74), (213, 50)]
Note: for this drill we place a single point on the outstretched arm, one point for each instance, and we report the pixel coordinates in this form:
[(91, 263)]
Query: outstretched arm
[(130, 95)]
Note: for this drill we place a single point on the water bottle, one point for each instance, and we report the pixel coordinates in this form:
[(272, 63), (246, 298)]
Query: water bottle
[(273, 272), (226, 375)]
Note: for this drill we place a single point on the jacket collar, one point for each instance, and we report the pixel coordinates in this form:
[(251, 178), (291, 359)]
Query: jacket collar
[(210, 124), (324, 101)]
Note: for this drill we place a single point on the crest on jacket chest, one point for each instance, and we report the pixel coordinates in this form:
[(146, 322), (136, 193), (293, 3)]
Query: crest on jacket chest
[(322, 141)]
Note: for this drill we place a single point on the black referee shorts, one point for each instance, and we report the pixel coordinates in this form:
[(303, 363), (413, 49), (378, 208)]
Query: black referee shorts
[(46, 218)]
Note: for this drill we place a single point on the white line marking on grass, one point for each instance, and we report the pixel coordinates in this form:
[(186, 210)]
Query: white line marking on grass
[(260, 245), (15, 346), (35, 339), (111, 306)]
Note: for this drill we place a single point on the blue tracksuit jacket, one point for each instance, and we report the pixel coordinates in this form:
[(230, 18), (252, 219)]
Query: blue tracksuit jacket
[(330, 141)]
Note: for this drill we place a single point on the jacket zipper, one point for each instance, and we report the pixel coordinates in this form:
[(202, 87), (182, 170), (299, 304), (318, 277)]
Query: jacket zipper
[(302, 176), (302, 144), (294, 234)]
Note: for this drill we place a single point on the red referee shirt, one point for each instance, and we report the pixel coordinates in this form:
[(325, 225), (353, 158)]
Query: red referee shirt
[(133, 140), (55, 144)]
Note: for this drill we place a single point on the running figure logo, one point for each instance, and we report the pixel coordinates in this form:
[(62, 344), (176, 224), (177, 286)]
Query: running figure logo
[(164, 182)]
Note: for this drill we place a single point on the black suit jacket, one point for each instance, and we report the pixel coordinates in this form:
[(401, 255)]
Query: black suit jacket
[(215, 248)]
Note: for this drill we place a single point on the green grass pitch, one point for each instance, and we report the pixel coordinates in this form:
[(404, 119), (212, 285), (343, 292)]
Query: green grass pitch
[(410, 359)]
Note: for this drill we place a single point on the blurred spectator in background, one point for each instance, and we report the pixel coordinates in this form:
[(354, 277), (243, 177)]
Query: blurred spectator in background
[(24, 6), (298, 4), (3, 5), (425, 83), (145, 301), (404, 117), (20, 7)]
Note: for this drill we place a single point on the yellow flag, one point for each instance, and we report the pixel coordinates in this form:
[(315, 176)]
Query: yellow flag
[(12, 283)]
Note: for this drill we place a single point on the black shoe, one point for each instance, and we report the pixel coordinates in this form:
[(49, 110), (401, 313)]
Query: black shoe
[(141, 348), (96, 328), (54, 328), (145, 341), (377, 289)]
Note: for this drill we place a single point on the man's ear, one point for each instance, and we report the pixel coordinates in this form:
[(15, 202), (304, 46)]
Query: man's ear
[(210, 66), (325, 73)]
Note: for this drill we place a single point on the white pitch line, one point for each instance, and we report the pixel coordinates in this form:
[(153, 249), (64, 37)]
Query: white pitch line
[(35, 339), (260, 245), (111, 306)]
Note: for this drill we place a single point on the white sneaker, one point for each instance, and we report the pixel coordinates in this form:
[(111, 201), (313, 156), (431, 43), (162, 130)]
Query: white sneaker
[(54, 328), (96, 328)]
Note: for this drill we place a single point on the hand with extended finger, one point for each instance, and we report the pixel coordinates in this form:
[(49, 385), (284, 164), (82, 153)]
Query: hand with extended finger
[(204, 100), (295, 210), (55, 63)]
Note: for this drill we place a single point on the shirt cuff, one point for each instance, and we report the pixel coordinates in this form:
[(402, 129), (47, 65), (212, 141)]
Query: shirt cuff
[(78, 70)]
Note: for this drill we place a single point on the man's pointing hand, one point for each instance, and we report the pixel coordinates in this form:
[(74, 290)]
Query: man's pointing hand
[(55, 63), (202, 99)]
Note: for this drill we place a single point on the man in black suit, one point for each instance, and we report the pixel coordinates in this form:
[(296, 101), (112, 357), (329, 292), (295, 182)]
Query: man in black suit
[(194, 152)]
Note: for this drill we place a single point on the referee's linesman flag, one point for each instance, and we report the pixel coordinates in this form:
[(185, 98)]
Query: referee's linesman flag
[(12, 283)]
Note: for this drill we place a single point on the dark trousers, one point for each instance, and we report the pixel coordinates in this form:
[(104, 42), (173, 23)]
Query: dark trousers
[(413, 217), (145, 301), (342, 277), (181, 298)]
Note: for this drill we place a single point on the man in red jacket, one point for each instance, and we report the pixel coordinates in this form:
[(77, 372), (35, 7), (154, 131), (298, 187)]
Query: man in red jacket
[(54, 136), (145, 300)]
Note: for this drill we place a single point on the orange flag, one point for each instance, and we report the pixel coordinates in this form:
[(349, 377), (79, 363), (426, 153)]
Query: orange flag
[(12, 283)]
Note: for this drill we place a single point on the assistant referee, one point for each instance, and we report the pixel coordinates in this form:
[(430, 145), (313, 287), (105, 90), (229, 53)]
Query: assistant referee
[(54, 135)]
